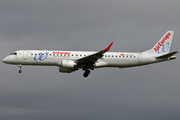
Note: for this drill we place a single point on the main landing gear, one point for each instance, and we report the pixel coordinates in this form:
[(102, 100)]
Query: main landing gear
[(86, 73), (20, 67)]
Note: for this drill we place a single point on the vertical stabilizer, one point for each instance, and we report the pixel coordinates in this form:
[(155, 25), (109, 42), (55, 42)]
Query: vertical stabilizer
[(163, 45)]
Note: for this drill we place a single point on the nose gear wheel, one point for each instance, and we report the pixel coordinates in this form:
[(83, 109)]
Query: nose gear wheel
[(20, 67)]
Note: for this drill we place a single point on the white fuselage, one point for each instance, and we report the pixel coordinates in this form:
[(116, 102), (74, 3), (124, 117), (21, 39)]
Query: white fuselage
[(54, 58), (70, 61)]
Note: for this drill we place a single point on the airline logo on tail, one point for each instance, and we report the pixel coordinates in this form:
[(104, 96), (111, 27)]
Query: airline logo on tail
[(161, 43)]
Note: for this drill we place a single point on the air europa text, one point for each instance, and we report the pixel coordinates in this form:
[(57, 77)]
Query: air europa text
[(61, 53), (162, 42)]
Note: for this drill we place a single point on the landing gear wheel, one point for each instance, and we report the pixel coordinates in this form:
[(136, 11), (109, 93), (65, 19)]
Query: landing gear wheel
[(20, 67), (20, 71), (86, 73)]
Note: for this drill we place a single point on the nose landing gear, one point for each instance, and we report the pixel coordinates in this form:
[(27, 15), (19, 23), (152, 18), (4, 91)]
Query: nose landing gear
[(20, 67), (20, 71), (86, 73)]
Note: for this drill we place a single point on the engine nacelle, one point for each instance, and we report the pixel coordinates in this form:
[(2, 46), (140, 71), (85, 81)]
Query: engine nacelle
[(65, 70), (68, 64)]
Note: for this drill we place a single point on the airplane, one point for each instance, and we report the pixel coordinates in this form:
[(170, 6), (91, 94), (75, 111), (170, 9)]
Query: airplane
[(70, 61)]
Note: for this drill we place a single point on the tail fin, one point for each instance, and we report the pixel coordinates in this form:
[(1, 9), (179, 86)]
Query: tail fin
[(163, 45)]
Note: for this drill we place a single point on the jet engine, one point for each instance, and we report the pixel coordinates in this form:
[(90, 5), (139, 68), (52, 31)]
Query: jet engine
[(68, 64)]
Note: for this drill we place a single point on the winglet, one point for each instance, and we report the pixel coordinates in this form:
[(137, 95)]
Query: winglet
[(107, 49)]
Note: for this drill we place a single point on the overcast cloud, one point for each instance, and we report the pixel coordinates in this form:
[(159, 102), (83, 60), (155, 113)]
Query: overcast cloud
[(142, 93)]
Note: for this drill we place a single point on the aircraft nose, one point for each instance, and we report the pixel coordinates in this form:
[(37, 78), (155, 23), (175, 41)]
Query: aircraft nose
[(4, 60)]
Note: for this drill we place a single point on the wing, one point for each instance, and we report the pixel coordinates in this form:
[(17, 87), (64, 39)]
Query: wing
[(91, 59)]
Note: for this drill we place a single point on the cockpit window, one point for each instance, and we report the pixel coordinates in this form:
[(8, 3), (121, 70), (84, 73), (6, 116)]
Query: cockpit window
[(13, 53)]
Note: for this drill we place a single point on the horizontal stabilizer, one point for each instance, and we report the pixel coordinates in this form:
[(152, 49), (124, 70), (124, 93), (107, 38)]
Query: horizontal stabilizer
[(167, 55)]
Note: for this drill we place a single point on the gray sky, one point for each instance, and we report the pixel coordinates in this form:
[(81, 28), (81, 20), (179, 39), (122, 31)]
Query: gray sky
[(140, 93)]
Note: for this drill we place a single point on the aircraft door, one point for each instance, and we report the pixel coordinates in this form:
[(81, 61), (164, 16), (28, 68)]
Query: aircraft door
[(140, 57), (25, 54)]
